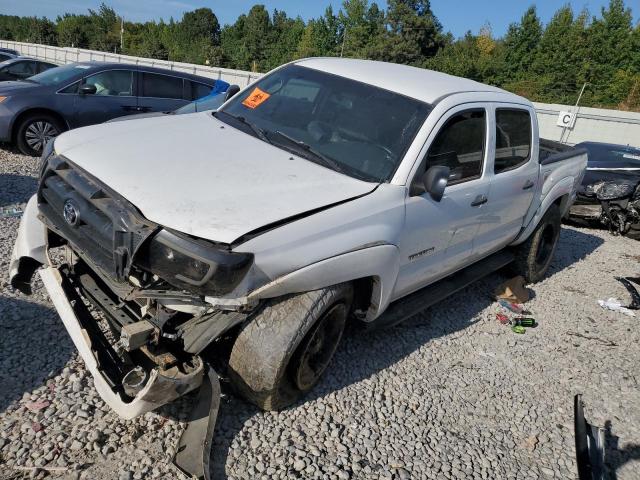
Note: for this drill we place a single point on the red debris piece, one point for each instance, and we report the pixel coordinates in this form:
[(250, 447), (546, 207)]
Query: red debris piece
[(37, 406), (36, 426), (502, 318)]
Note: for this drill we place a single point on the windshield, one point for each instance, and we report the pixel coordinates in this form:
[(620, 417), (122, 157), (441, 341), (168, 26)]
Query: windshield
[(210, 102), (361, 129), (57, 75)]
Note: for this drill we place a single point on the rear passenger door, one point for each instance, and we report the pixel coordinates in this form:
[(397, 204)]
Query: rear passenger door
[(438, 238), (114, 97), (159, 92), (514, 177)]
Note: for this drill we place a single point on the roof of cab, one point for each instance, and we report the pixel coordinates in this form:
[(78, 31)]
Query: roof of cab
[(419, 83)]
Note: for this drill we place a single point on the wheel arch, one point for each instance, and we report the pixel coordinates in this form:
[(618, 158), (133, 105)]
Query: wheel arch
[(372, 270), (560, 195), (34, 111)]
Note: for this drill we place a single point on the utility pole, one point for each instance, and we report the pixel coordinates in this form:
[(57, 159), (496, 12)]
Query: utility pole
[(121, 34), (575, 111), (344, 39)]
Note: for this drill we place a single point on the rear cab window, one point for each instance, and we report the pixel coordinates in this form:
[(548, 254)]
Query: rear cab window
[(513, 139)]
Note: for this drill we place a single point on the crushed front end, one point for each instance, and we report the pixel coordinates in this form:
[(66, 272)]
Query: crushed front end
[(615, 204), (131, 294)]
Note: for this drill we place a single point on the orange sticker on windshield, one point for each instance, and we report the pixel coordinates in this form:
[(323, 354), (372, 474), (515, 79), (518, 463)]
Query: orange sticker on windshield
[(255, 98)]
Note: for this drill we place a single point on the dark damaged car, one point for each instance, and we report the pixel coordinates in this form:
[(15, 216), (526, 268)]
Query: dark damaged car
[(610, 192)]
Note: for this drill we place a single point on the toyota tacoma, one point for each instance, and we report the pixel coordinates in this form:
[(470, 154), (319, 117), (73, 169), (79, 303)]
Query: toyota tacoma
[(328, 190)]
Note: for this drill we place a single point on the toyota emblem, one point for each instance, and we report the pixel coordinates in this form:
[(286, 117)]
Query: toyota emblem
[(70, 213)]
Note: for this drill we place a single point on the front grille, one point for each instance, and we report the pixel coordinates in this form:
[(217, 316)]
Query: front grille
[(101, 226)]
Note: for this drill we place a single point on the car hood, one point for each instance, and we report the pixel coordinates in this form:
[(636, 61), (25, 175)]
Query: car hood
[(197, 175), (8, 87), (137, 116)]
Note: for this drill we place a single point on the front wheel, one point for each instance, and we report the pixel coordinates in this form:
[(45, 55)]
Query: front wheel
[(534, 256), (35, 131), (284, 350)]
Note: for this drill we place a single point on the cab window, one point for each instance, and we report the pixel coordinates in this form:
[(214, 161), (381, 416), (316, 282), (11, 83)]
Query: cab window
[(513, 139), (460, 146)]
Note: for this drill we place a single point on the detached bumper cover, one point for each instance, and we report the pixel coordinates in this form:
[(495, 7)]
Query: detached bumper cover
[(162, 387)]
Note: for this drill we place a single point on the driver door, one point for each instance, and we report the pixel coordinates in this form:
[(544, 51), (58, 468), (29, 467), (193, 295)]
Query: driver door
[(114, 97), (438, 236)]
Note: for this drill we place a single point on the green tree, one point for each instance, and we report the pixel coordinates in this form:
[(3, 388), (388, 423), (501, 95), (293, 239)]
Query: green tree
[(412, 33), (521, 45)]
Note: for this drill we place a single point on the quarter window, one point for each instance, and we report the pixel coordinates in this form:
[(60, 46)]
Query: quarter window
[(23, 69), (513, 139), (161, 86), (460, 146), (194, 90), (112, 83)]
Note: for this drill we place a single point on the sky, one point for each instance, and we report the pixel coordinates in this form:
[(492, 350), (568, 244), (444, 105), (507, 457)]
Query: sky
[(457, 16)]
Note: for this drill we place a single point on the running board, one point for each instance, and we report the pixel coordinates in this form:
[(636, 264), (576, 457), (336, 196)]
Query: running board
[(412, 304)]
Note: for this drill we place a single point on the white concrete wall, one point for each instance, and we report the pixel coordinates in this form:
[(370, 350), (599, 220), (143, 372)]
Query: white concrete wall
[(594, 124), (64, 55)]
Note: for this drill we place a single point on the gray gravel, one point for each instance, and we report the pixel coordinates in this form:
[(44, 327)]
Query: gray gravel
[(449, 394)]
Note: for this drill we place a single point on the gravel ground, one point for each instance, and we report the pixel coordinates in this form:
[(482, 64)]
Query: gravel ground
[(449, 394)]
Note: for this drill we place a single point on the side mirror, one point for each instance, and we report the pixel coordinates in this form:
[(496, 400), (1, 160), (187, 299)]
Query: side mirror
[(435, 180), (87, 89), (231, 91)]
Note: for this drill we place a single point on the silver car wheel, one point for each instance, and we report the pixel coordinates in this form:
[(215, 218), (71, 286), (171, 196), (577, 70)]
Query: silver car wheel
[(39, 133)]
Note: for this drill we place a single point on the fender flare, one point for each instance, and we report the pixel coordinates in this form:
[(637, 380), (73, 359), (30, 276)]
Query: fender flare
[(564, 190), (380, 262)]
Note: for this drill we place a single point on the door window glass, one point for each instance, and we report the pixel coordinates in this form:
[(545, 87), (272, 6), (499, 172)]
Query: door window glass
[(112, 83), (195, 91), (513, 139), (460, 146), (23, 69), (161, 86)]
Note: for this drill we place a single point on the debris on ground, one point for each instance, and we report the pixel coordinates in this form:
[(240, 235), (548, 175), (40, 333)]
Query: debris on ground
[(14, 211), (513, 290), (633, 291), (615, 305), (37, 406)]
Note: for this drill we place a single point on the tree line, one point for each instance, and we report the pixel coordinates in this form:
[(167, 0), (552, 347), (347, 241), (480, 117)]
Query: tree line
[(548, 63)]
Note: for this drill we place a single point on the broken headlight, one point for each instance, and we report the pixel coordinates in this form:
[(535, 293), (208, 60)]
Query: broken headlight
[(193, 265), (615, 190)]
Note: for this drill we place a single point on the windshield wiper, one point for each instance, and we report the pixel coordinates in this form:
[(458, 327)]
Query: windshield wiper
[(307, 149), (256, 130)]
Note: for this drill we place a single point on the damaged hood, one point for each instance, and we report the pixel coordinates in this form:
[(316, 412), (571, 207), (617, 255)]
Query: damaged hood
[(197, 175)]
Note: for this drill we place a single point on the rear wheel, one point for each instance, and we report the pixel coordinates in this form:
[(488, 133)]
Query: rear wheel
[(35, 131), (534, 256), (284, 350)]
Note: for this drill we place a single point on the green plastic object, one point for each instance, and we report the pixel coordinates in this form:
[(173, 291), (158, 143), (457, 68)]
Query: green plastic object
[(525, 322), (518, 329)]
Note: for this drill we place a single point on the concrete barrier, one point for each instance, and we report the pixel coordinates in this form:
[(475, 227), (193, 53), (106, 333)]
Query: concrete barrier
[(591, 124), (63, 55)]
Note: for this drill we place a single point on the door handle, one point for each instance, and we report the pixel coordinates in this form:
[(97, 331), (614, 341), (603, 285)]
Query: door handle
[(480, 200), (528, 184)]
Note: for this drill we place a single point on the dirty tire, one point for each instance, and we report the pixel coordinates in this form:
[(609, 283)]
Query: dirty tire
[(43, 123), (268, 356), (534, 256)]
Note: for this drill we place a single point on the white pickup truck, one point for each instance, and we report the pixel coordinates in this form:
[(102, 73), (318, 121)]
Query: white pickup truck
[(328, 190)]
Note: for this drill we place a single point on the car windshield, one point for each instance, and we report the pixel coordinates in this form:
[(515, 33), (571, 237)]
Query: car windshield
[(349, 126), (603, 154), (210, 102), (57, 75)]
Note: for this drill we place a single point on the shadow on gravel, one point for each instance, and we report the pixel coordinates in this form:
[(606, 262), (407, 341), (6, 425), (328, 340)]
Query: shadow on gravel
[(616, 457), (573, 246), (16, 188), (33, 345)]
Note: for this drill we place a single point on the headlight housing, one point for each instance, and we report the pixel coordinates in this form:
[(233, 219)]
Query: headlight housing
[(614, 190), (193, 265)]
